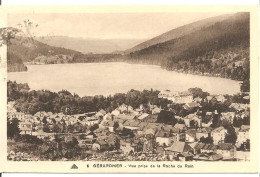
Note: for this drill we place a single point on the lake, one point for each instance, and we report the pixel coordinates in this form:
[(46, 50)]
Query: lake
[(88, 79)]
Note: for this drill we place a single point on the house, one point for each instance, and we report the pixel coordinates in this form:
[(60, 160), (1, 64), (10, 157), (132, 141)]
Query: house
[(163, 138), (197, 99), (96, 146), (25, 128), (20, 116), (155, 126), (86, 143), (207, 119), (126, 147), (72, 120), (102, 112), (149, 131), (89, 135), (192, 120), (227, 150), (37, 126), (91, 121), (137, 144), (132, 125), (177, 148), (125, 108), (140, 110), (167, 94), (209, 98), (178, 134), (221, 98), (203, 132), (229, 116), (58, 118), (180, 126), (143, 116), (142, 126), (208, 157), (116, 112), (208, 148), (11, 115), (109, 124), (191, 105), (100, 145), (210, 114), (107, 117), (151, 118), (206, 124), (35, 120), (80, 117), (183, 97), (167, 128), (125, 117), (218, 135), (156, 110), (243, 135), (49, 113), (101, 130), (41, 114), (197, 148), (178, 98), (190, 136), (185, 156), (239, 107)]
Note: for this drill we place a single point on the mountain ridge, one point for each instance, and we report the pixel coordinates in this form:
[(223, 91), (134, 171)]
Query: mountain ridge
[(178, 32), (90, 45)]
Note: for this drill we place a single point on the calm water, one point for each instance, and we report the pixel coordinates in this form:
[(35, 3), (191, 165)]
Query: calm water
[(108, 78)]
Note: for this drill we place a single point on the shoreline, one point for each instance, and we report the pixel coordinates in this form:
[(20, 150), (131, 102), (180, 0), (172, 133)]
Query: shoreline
[(138, 64)]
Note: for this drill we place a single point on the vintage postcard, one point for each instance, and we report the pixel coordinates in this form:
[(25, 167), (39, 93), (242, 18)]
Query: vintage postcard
[(129, 89)]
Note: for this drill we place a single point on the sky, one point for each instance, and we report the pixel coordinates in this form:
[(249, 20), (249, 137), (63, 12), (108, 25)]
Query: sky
[(106, 25)]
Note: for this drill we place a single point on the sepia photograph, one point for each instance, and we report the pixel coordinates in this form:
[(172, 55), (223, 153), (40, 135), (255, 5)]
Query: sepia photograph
[(163, 86)]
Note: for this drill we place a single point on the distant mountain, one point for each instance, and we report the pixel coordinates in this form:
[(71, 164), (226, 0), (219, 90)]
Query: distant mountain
[(178, 32), (86, 45)]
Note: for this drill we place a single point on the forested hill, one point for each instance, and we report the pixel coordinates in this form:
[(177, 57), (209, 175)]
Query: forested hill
[(29, 49), (24, 49), (221, 49), (178, 32)]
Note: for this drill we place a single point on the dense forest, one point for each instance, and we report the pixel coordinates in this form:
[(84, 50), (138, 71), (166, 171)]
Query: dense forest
[(43, 100)]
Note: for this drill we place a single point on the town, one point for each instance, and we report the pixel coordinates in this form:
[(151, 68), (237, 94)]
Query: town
[(192, 127)]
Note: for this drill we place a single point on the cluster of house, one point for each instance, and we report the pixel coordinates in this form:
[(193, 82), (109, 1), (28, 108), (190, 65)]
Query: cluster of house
[(20, 156), (133, 131), (177, 97), (187, 97), (50, 59)]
